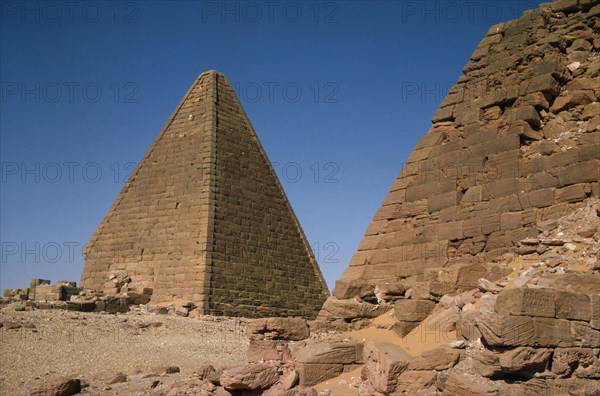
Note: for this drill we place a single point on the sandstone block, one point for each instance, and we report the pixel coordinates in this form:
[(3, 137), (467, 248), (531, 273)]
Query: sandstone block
[(499, 330), (268, 350), (413, 310), (582, 362), (572, 99), (350, 309), (293, 329), (563, 5), (417, 382), (573, 306), (441, 358), (520, 362), (384, 362), (334, 352), (313, 373), (255, 376), (526, 301), (60, 387), (542, 83)]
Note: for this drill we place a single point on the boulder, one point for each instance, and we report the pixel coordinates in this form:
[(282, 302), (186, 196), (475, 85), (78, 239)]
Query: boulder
[(417, 383), (410, 310), (59, 387), (293, 329), (340, 352), (254, 376), (572, 99), (470, 385), (440, 358), (353, 308), (520, 362), (384, 362)]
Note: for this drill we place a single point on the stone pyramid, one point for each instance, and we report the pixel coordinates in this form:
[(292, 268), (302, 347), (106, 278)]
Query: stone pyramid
[(203, 218), (515, 143)]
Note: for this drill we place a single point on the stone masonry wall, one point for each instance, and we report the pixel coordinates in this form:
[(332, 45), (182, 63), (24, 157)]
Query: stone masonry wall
[(154, 231), (203, 218), (261, 262), (515, 142)]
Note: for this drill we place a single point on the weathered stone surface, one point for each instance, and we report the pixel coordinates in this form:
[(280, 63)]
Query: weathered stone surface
[(417, 382), (384, 362), (252, 376), (526, 301), (520, 362), (268, 350), (582, 362), (351, 288), (464, 385), (441, 358), (60, 387), (254, 251), (499, 330), (293, 329), (572, 99), (413, 310), (573, 306), (312, 374), (350, 309), (336, 352)]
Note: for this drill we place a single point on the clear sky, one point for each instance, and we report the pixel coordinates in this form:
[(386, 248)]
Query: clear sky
[(338, 92)]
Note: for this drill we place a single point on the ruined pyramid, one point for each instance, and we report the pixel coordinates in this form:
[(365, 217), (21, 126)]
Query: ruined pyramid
[(515, 144), (203, 218)]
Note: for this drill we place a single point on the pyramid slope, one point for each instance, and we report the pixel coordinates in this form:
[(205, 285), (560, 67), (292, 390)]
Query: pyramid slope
[(259, 262), (516, 142), (203, 218)]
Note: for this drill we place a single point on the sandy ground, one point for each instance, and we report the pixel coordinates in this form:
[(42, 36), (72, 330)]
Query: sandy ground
[(419, 340), (51, 344)]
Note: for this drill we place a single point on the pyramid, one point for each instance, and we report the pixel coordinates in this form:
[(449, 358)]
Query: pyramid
[(515, 144), (203, 218)]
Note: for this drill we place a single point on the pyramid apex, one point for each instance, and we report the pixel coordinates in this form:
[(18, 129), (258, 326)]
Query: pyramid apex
[(211, 72)]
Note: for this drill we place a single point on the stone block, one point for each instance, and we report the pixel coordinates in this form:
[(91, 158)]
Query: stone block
[(417, 382), (526, 301), (331, 352), (440, 201), (441, 358), (572, 99), (564, 5), (507, 330), (582, 172), (573, 306), (311, 374), (413, 310), (550, 332), (572, 193), (526, 113), (542, 83), (384, 362), (292, 329), (259, 350)]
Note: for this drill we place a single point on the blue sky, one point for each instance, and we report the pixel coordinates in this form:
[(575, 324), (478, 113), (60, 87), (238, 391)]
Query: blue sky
[(338, 92)]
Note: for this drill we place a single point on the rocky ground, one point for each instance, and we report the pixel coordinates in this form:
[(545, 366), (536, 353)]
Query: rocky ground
[(37, 345)]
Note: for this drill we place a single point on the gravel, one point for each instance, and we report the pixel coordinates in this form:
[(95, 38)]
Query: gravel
[(54, 343)]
